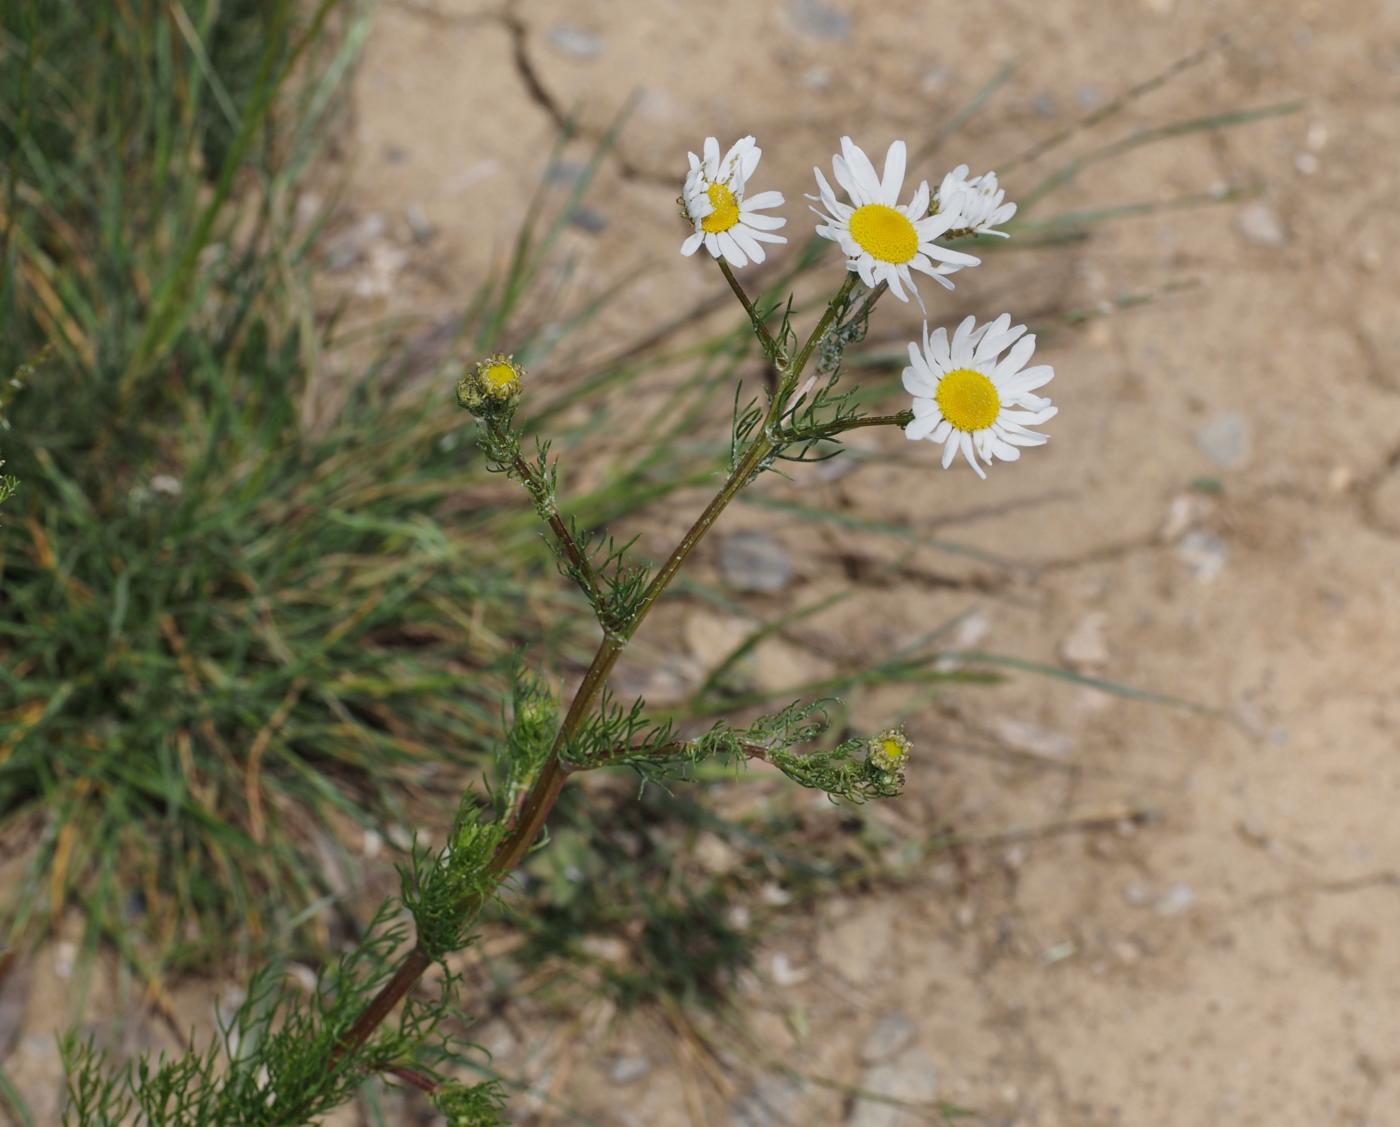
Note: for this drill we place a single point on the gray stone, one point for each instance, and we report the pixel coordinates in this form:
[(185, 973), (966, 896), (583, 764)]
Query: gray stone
[(628, 1070), (769, 1103), (566, 172), (350, 248), (1260, 224), (891, 1034), (589, 219), (819, 19), (754, 561), (1175, 900), (1225, 440), (1022, 735), (911, 1077), (576, 41), (1204, 553), (861, 946), (1086, 646), (419, 223)]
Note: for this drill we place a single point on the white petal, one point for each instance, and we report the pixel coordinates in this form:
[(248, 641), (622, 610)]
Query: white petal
[(861, 169), (692, 244), (1031, 378), (750, 160), (892, 276), (762, 200), (1016, 359), (915, 382), (762, 236), (761, 222), (731, 250), (842, 171), (948, 254), (750, 246), (893, 179), (920, 427), (918, 206)]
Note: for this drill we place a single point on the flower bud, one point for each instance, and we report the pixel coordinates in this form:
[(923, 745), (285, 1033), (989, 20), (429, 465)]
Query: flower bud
[(492, 387), (888, 751)]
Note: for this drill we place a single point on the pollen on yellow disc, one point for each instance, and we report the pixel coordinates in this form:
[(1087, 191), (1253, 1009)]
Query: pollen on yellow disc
[(726, 210), (498, 377), (968, 399), (884, 233)]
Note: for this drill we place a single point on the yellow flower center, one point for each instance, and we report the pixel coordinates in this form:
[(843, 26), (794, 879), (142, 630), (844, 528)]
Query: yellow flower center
[(968, 399), (498, 377), (726, 210), (891, 750), (884, 233)]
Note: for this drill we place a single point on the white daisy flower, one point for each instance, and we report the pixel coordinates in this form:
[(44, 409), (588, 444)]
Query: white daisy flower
[(970, 399), (883, 241), (976, 204), (728, 224)]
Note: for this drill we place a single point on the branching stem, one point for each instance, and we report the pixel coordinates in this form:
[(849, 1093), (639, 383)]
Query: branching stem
[(760, 327), (578, 558), (539, 800)]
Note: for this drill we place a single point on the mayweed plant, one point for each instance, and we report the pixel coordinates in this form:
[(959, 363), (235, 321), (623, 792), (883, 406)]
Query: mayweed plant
[(286, 1059)]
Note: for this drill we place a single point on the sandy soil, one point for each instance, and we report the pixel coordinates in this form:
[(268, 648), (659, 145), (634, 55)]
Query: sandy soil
[(1230, 955), (1171, 916)]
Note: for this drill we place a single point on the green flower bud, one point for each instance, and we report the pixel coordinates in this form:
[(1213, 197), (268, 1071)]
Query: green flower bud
[(888, 751), (492, 386)]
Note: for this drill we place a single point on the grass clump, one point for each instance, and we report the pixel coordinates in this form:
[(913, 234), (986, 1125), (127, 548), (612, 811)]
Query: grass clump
[(225, 638)]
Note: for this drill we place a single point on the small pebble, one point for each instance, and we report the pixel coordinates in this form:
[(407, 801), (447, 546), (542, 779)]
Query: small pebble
[(910, 1077), (891, 1034), (1225, 440), (419, 225), (1032, 739), (628, 1070), (1175, 900), (1204, 553), (589, 219), (819, 19), (754, 562), (784, 973), (1260, 224), (575, 41), (1086, 646)]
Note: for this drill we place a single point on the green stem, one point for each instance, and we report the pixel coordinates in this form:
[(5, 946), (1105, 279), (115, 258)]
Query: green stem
[(760, 328), (833, 309), (539, 800), (578, 559), (830, 430)]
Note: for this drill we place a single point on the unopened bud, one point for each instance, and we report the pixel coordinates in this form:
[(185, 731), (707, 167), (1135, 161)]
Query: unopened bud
[(492, 386), (888, 751)]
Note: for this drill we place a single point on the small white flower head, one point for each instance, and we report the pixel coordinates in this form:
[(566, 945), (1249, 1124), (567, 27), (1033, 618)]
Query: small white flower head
[(971, 398), (726, 222), (883, 241), (976, 206)]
